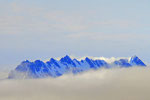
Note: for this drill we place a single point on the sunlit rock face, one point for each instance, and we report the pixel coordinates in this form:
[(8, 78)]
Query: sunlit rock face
[(55, 68)]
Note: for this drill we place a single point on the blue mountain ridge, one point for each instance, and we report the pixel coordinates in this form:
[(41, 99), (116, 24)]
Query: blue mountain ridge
[(56, 68)]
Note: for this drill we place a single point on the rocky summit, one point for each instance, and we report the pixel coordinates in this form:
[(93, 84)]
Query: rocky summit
[(55, 68)]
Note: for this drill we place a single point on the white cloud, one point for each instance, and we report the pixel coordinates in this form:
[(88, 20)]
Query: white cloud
[(115, 84)]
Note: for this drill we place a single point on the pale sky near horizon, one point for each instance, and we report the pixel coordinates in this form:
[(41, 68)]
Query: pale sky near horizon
[(41, 29)]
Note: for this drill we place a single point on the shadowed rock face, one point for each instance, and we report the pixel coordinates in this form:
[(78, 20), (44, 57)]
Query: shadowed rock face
[(56, 68)]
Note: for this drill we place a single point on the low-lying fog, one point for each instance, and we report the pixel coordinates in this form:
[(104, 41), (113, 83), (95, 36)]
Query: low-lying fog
[(104, 84)]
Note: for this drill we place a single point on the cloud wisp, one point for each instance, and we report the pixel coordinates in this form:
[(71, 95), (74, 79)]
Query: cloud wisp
[(115, 84)]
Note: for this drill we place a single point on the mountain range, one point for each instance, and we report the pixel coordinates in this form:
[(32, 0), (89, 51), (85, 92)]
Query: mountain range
[(55, 68)]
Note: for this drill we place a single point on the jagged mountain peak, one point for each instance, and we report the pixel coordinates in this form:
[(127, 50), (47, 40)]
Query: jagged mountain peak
[(134, 58), (136, 61), (66, 58), (87, 58), (26, 61), (52, 60), (55, 68), (38, 61)]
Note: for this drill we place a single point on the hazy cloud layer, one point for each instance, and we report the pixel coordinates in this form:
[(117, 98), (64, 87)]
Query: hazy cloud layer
[(104, 84)]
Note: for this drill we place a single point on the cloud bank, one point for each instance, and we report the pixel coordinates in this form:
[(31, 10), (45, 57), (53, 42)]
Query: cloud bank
[(104, 84)]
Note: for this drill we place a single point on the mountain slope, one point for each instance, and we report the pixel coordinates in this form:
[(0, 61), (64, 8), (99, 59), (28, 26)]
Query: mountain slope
[(56, 68)]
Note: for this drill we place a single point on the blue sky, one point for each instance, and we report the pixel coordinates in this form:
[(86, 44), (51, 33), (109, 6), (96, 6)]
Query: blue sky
[(40, 29)]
